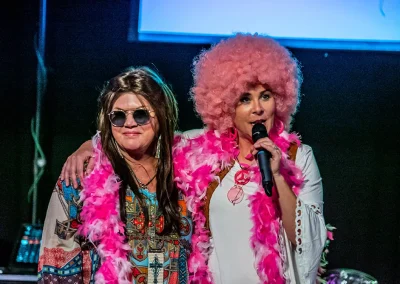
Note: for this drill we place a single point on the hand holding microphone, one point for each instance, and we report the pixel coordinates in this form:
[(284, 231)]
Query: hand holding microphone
[(265, 150)]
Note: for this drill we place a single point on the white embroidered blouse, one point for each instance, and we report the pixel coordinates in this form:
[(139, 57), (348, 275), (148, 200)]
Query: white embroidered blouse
[(232, 259)]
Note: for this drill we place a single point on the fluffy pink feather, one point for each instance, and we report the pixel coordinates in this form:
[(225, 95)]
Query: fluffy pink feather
[(101, 222), (196, 162)]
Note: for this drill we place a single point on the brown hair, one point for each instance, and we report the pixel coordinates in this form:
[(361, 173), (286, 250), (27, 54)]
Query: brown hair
[(147, 83)]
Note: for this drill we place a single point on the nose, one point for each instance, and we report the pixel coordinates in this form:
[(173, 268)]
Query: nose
[(130, 122), (257, 107)]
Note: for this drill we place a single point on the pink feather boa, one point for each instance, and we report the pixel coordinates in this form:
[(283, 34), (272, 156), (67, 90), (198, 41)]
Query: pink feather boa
[(101, 220), (196, 162)]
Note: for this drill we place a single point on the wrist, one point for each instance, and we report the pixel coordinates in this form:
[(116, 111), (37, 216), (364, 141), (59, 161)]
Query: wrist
[(277, 176), (276, 173)]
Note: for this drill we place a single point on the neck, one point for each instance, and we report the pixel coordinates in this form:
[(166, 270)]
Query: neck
[(144, 170), (147, 161), (137, 156), (140, 159), (245, 148)]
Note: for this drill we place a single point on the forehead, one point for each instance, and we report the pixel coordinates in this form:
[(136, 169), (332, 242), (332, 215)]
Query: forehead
[(130, 100), (257, 88)]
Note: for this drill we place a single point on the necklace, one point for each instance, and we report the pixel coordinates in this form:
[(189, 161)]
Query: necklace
[(141, 184), (155, 255), (242, 177)]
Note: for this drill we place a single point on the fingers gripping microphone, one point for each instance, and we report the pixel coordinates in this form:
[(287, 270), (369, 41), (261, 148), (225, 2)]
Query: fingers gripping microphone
[(263, 157)]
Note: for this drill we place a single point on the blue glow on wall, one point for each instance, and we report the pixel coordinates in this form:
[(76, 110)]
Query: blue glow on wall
[(331, 24)]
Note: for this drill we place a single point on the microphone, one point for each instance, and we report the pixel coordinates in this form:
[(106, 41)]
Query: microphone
[(263, 157)]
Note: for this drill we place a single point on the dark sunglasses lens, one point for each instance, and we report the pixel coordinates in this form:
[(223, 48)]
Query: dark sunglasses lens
[(118, 118), (141, 116)]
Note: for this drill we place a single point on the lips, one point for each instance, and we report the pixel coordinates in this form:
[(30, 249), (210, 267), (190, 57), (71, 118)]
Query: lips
[(130, 133), (258, 121)]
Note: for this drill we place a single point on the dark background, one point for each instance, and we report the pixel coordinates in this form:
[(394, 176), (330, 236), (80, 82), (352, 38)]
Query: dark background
[(349, 115)]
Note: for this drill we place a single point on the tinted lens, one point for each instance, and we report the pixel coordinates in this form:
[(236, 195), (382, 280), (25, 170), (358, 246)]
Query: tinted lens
[(141, 116), (117, 118)]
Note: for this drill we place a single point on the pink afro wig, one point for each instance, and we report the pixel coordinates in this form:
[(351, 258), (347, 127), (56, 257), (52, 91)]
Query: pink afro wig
[(224, 72)]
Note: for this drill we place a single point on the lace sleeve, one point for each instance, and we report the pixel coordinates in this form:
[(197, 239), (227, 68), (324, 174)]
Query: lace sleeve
[(302, 209), (310, 224)]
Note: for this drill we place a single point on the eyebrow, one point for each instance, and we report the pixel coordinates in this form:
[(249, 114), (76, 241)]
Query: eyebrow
[(265, 91), (262, 92), (118, 108)]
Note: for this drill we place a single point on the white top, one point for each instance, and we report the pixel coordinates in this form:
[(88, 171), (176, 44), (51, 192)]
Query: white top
[(232, 259)]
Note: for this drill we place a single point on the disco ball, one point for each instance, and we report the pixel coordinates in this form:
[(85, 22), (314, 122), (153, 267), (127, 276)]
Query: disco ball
[(348, 276)]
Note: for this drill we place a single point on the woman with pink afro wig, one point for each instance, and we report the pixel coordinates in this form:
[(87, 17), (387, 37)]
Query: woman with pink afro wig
[(223, 73), (242, 232), (245, 232)]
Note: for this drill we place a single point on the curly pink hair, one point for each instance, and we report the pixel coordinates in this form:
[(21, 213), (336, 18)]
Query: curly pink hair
[(224, 72)]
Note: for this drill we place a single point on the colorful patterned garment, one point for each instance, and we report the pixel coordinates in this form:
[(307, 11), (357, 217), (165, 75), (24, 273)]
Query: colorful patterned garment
[(66, 257), (175, 248)]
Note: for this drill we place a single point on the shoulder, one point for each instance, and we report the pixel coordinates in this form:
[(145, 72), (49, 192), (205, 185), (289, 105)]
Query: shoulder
[(304, 150), (68, 192), (305, 159), (183, 139), (193, 133), (304, 155)]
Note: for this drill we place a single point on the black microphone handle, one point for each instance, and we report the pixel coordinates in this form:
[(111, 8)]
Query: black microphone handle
[(263, 157)]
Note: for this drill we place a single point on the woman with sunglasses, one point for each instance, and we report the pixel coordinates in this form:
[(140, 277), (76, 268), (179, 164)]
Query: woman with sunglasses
[(245, 232), (127, 223)]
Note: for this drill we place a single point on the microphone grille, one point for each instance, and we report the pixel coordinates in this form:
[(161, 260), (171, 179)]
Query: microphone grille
[(258, 131)]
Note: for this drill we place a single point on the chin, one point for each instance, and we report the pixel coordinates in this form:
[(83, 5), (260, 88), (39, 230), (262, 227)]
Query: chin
[(132, 146), (129, 146)]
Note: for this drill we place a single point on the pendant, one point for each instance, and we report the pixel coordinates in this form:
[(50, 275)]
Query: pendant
[(235, 194), (242, 177), (155, 267)]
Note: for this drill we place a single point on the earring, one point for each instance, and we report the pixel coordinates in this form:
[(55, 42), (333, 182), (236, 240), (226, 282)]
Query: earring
[(158, 148)]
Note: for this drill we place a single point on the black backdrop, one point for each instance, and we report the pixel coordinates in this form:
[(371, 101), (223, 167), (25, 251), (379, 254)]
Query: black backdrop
[(349, 115)]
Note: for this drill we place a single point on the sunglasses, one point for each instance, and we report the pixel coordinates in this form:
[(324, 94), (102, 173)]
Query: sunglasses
[(141, 116)]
